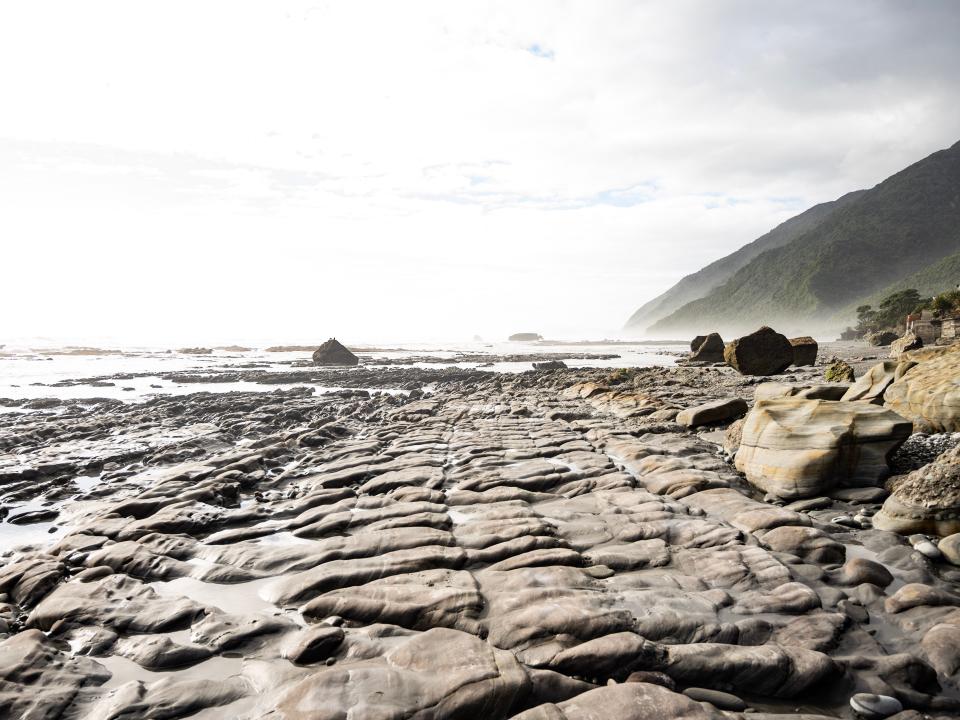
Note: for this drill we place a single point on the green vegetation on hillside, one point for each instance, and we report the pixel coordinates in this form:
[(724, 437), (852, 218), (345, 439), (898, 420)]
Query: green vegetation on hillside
[(894, 308), (928, 281), (892, 311), (698, 284), (900, 228)]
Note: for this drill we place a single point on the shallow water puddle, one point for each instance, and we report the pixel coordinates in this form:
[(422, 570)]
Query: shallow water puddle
[(284, 538), (236, 598), (124, 670), (15, 536)]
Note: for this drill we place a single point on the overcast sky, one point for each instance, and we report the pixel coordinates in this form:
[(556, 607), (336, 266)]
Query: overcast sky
[(208, 171)]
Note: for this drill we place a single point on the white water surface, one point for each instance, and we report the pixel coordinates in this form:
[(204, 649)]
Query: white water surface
[(30, 372)]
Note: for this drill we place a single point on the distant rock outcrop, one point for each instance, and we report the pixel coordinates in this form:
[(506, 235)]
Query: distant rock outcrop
[(550, 365), (764, 352), (880, 338), (525, 337), (334, 353)]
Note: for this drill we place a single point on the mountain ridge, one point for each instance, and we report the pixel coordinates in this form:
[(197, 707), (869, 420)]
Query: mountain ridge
[(690, 287), (847, 252)]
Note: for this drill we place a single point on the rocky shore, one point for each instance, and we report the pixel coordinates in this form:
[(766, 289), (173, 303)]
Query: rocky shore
[(563, 544)]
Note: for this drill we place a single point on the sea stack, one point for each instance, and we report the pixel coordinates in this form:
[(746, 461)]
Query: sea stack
[(332, 352)]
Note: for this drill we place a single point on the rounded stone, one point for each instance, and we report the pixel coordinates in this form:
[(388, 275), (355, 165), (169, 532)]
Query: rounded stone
[(875, 707), (928, 549), (950, 547)]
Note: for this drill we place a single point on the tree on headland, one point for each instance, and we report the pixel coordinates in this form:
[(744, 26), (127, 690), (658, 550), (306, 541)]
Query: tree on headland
[(891, 313)]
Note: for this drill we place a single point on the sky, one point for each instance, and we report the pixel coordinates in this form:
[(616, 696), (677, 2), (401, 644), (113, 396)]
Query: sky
[(398, 171)]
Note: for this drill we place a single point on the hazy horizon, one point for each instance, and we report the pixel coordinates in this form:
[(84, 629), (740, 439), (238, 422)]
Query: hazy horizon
[(430, 171)]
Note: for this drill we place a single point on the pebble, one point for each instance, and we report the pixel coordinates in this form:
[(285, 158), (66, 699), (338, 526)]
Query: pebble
[(875, 707), (950, 547), (929, 549)]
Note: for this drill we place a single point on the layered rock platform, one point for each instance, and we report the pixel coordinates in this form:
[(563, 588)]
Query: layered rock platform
[(548, 545)]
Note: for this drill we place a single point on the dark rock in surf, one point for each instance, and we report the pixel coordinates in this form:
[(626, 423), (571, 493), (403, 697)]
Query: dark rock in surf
[(550, 365), (333, 352)]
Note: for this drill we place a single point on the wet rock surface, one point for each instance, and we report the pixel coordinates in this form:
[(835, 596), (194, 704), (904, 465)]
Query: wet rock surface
[(540, 545)]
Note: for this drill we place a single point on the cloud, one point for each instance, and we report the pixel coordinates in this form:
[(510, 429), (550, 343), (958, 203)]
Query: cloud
[(541, 52), (560, 161)]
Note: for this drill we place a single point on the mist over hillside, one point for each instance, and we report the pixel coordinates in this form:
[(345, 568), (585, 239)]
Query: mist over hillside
[(809, 273)]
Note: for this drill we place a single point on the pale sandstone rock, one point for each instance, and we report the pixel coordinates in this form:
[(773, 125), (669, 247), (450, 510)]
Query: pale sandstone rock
[(929, 394), (712, 412), (874, 383), (768, 669), (795, 448), (805, 542), (440, 673), (914, 595), (774, 390), (905, 344)]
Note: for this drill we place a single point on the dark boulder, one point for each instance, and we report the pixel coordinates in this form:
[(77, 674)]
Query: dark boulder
[(710, 349), (764, 352), (550, 365), (334, 353), (804, 350)]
